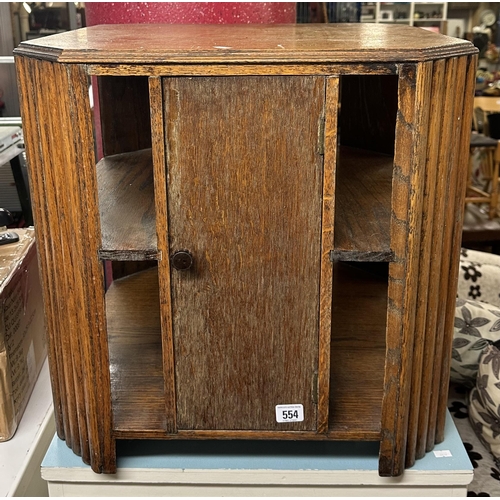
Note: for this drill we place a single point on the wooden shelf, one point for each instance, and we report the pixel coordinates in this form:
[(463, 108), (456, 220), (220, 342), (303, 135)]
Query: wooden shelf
[(363, 206), (126, 206), (358, 350), (134, 336)]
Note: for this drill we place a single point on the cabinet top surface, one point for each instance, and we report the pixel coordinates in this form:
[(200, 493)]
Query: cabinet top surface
[(155, 43)]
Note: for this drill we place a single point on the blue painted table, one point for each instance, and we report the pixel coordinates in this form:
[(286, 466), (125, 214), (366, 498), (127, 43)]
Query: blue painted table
[(258, 468)]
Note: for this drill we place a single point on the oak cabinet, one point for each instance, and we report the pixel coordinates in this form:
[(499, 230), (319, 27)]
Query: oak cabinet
[(282, 208)]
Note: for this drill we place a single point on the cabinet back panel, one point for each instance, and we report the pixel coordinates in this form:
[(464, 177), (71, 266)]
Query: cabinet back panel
[(368, 112), (124, 113), (245, 197)]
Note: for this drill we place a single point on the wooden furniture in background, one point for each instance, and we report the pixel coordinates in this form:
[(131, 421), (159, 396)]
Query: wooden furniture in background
[(489, 173), (308, 185), (487, 104), (479, 231), (483, 106)]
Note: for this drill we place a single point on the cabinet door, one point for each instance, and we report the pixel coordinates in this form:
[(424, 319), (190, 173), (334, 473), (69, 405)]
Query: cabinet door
[(244, 184)]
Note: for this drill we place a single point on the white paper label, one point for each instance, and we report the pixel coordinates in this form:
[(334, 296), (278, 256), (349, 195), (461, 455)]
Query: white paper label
[(442, 453), (289, 413)]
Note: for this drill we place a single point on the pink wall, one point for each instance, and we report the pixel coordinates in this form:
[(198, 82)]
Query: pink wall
[(189, 12)]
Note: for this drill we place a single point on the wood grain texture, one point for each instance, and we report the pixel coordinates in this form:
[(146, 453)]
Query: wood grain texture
[(362, 206), (340, 435), (409, 168), (358, 350), (427, 251), (162, 230), (462, 130), (360, 299), (282, 69), (72, 302), (27, 93), (88, 279), (58, 286), (134, 332), (455, 94), (127, 206), (124, 114), (434, 301), (150, 44), (232, 434), (73, 298), (368, 112), (135, 353), (329, 148), (238, 199)]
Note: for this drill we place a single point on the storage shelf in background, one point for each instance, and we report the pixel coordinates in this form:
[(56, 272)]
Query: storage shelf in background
[(126, 205), (429, 20)]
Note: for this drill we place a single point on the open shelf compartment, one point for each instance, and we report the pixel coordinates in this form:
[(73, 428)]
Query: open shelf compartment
[(135, 351), (363, 206), (364, 170), (125, 173), (126, 205), (357, 350)]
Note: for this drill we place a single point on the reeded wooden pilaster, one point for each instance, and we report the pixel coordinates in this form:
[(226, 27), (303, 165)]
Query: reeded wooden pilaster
[(429, 188), (59, 143), (407, 196), (464, 115)]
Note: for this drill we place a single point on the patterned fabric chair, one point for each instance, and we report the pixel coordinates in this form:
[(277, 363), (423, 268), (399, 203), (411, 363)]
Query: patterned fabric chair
[(479, 277), (476, 354), (474, 400)]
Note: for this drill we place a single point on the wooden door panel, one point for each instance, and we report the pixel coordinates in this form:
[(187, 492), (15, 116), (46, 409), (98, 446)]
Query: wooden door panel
[(244, 180)]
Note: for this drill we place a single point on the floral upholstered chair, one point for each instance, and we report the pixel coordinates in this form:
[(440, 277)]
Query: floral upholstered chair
[(476, 344)]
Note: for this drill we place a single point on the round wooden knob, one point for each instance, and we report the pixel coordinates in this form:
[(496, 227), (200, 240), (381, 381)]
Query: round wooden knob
[(182, 260)]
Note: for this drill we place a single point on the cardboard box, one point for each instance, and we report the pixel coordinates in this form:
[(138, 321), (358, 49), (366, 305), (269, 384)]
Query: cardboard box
[(22, 329)]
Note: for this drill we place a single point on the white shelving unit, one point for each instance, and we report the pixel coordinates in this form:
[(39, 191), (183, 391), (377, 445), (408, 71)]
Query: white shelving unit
[(20, 458), (422, 14)]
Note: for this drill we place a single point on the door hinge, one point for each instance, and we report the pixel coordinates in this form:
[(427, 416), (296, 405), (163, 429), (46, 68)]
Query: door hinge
[(321, 134), (314, 388)]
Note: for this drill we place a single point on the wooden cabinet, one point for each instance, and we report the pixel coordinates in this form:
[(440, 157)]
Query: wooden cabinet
[(290, 199)]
